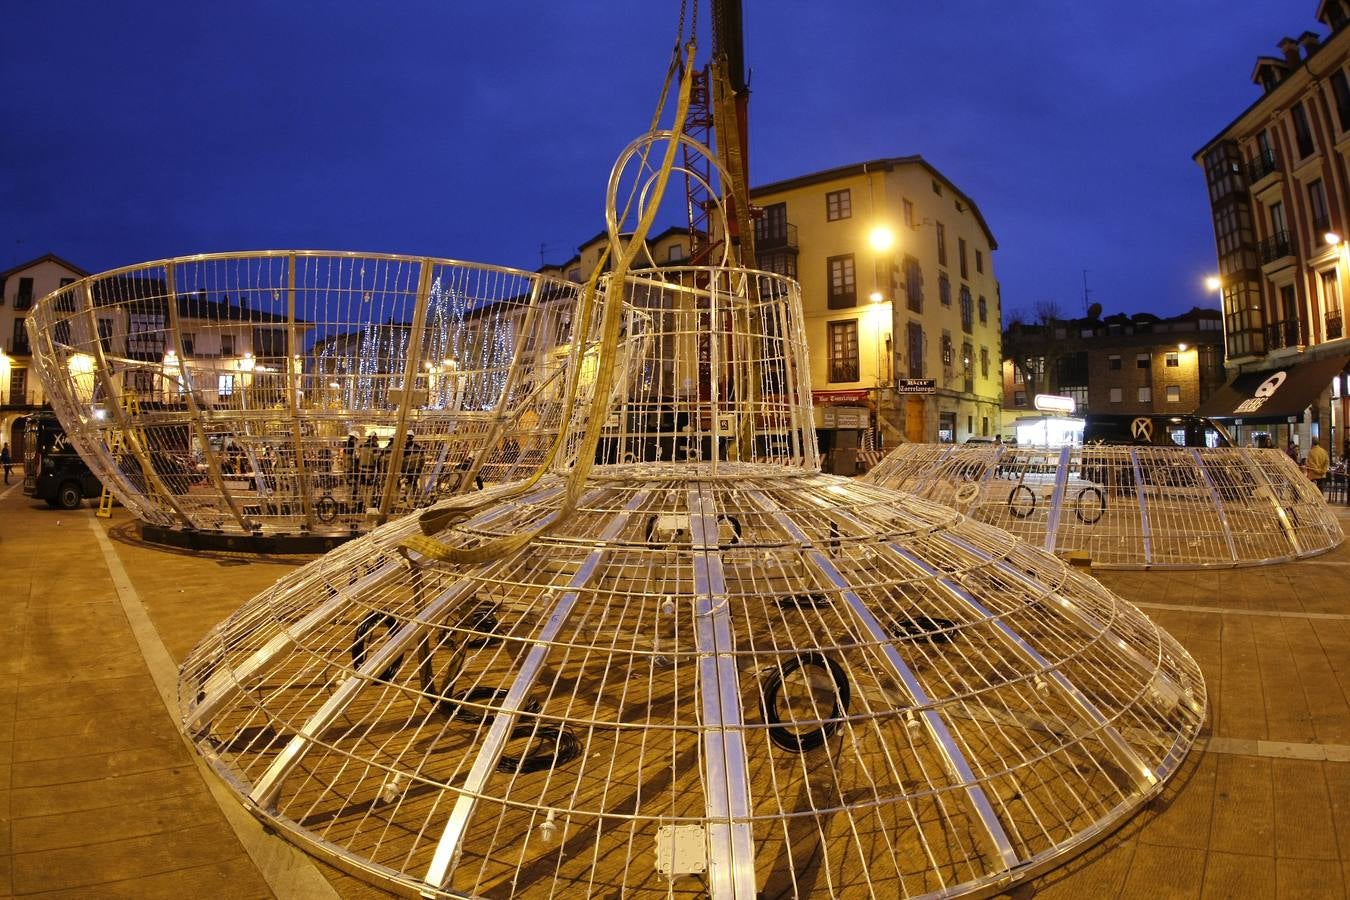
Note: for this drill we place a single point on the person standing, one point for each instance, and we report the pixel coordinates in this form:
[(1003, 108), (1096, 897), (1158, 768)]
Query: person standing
[(1317, 464), (6, 460)]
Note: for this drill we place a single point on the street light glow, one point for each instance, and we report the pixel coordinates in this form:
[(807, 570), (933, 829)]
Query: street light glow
[(1213, 283), (1332, 238), (881, 238), (875, 297), (1181, 347)]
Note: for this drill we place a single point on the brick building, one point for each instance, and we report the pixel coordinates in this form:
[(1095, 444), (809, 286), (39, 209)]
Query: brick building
[(1122, 364)]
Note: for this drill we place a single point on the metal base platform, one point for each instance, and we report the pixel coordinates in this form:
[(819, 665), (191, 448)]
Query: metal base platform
[(239, 543)]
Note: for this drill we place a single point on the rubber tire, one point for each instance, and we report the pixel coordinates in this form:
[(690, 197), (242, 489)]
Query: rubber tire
[(1101, 505), (69, 496), (1012, 500)]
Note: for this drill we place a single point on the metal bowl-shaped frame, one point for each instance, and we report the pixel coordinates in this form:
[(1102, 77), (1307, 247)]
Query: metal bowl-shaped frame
[(308, 392), (1128, 507)]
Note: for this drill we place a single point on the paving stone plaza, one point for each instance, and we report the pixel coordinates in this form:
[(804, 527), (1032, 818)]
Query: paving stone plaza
[(102, 797)]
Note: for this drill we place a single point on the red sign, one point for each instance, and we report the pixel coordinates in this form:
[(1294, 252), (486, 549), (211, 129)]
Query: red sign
[(838, 396)]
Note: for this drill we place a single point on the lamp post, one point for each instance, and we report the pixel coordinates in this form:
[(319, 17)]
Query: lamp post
[(882, 240)]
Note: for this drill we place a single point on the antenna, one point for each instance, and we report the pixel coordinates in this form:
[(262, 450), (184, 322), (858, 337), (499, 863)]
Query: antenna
[(1086, 293)]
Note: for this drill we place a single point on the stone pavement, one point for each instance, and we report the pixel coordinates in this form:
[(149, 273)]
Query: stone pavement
[(100, 796)]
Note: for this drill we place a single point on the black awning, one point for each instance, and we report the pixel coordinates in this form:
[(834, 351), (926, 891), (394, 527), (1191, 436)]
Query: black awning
[(1275, 394)]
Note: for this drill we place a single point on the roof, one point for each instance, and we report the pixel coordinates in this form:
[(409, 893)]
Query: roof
[(862, 168), (47, 257)]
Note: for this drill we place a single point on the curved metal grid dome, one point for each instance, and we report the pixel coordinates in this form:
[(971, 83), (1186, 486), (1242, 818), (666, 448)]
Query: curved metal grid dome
[(725, 673), (1128, 507), (217, 393)]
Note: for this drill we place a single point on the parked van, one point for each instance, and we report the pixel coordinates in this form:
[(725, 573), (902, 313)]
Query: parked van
[(52, 470)]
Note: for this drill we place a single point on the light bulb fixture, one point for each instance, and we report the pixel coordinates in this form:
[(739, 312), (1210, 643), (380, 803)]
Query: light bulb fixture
[(1332, 238)]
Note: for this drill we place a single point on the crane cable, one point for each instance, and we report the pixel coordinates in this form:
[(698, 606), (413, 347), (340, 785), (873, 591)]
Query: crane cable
[(611, 328)]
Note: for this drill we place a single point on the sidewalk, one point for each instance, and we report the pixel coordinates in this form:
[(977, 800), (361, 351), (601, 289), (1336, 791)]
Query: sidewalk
[(100, 797)]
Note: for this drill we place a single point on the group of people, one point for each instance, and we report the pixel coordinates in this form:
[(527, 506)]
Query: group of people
[(1316, 464)]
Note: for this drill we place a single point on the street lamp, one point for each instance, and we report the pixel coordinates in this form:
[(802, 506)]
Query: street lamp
[(1213, 283), (881, 238), (1332, 238)]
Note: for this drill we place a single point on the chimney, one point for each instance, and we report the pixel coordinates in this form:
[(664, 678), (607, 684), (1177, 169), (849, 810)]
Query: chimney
[(1289, 47), (1309, 42)]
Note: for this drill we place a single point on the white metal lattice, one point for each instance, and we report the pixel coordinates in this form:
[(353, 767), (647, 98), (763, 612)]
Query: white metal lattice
[(723, 672), (1128, 507)]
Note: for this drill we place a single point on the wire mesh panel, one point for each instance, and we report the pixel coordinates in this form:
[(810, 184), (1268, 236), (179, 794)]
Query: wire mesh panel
[(282, 392), (1128, 506), (787, 683)]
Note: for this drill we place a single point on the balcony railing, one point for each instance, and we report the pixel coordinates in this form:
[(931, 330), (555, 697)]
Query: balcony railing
[(1334, 326), (1282, 334), (843, 370), (23, 301), (1263, 165), (15, 398), (1277, 246), (780, 238), (19, 348)]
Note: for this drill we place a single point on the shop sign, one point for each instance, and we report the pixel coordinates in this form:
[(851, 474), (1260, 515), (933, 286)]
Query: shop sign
[(916, 386)]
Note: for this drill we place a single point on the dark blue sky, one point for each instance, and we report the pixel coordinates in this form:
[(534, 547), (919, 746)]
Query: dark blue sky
[(478, 131)]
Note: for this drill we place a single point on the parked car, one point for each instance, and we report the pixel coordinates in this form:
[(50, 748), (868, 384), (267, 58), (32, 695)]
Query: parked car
[(52, 470)]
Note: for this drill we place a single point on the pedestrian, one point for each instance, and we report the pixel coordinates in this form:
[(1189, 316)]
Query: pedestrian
[(1292, 450), (1317, 464), (6, 460)]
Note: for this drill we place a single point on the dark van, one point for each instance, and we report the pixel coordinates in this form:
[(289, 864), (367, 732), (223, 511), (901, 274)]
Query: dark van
[(52, 470), (1154, 431)]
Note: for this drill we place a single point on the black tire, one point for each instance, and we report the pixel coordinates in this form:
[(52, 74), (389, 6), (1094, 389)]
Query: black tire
[(69, 496), (326, 509), (362, 638), (1087, 517), (1013, 502), (53, 503)]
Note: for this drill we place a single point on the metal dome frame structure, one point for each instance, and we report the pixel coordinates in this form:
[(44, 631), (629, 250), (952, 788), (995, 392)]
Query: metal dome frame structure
[(1126, 506), (710, 668), (215, 394)]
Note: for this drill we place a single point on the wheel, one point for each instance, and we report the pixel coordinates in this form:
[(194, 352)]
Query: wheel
[(1021, 507), (1090, 510), (326, 509), (69, 496)]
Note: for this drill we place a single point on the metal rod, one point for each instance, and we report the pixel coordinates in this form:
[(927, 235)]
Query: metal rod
[(411, 363), (293, 395)]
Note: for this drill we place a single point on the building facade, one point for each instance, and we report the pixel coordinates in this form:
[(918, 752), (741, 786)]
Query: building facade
[(898, 289), (20, 390), (1279, 190), (1127, 365)]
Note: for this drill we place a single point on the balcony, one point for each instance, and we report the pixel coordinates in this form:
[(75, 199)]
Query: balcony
[(782, 237), (23, 301), (15, 398), (19, 348), (1282, 334), (1277, 246), (1264, 164), (1334, 326)]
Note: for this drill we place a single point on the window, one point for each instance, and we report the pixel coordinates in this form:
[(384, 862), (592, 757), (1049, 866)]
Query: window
[(1341, 89), (967, 310), (1302, 133), (913, 284), (844, 350), (225, 385), (1143, 361), (979, 261), (984, 362), (1079, 395), (947, 351), (970, 424), (145, 333), (838, 205), (843, 287), (189, 341), (24, 298), (61, 332), (1317, 205), (909, 213), (1020, 399), (105, 334), (944, 290), (1174, 393), (65, 301), (915, 336), (1145, 394), (937, 188), (771, 228), (1277, 221), (1173, 359), (942, 244), (968, 366), (574, 274), (984, 310), (1115, 395), (984, 426), (961, 253), (18, 386), (227, 345), (676, 252)]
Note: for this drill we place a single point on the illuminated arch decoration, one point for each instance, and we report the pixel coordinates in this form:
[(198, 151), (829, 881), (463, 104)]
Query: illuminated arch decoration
[(1128, 507), (216, 394), (724, 672)]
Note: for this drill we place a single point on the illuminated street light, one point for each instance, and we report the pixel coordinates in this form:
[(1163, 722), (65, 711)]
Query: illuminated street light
[(881, 238), (875, 297), (1213, 283), (1181, 347), (1332, 238)]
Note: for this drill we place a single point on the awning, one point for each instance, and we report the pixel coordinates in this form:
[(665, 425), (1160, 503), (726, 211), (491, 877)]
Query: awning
[(1275, 394)]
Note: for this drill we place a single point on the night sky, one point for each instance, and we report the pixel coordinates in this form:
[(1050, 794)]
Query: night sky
[(480, 131)]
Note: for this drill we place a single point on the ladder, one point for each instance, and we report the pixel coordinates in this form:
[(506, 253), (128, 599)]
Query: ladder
[(131, 407)]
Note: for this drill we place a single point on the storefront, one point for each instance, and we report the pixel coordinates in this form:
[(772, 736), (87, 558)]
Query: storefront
[(841, 419), (1299, 402)]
